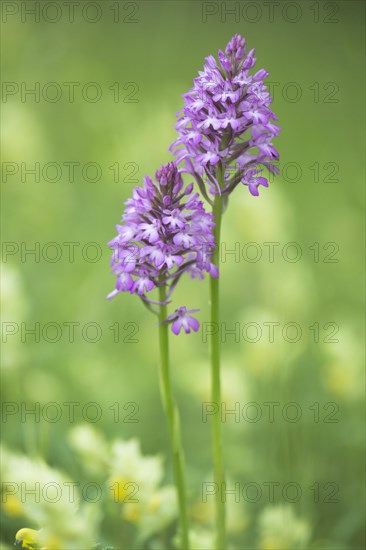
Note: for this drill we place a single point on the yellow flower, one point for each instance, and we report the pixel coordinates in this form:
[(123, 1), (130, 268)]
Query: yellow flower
[(120, 488), (13, 507), (281, 529), (132, 512), (27, 538), (154, 503)]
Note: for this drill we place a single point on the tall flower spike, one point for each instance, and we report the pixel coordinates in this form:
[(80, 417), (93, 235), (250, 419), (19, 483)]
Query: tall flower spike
[(227, 118), (165, 232)]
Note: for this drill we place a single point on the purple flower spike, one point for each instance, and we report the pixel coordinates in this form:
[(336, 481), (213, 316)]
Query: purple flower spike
[(227, 121), (181, 319), (165, 232)]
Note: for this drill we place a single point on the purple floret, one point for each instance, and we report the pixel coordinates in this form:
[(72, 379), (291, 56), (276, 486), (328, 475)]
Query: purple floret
[(181, 318)]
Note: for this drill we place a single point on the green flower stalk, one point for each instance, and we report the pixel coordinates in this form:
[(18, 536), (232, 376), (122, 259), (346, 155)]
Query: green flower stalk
[(172, 415)]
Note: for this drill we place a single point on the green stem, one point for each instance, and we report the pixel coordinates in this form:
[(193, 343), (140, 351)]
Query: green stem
[(172, 415), (219, 477)]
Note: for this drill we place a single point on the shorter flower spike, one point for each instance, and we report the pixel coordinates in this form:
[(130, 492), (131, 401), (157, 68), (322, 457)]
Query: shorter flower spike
[(165, 232)]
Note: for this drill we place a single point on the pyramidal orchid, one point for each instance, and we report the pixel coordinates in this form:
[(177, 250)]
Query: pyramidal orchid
[(225, 133), (226, 127), (165, 232)]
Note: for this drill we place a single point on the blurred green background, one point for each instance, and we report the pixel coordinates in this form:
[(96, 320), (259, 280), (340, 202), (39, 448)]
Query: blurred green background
[(317, 199)]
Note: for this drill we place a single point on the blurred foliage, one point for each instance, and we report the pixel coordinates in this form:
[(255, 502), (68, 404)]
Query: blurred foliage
[(162, 54)]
